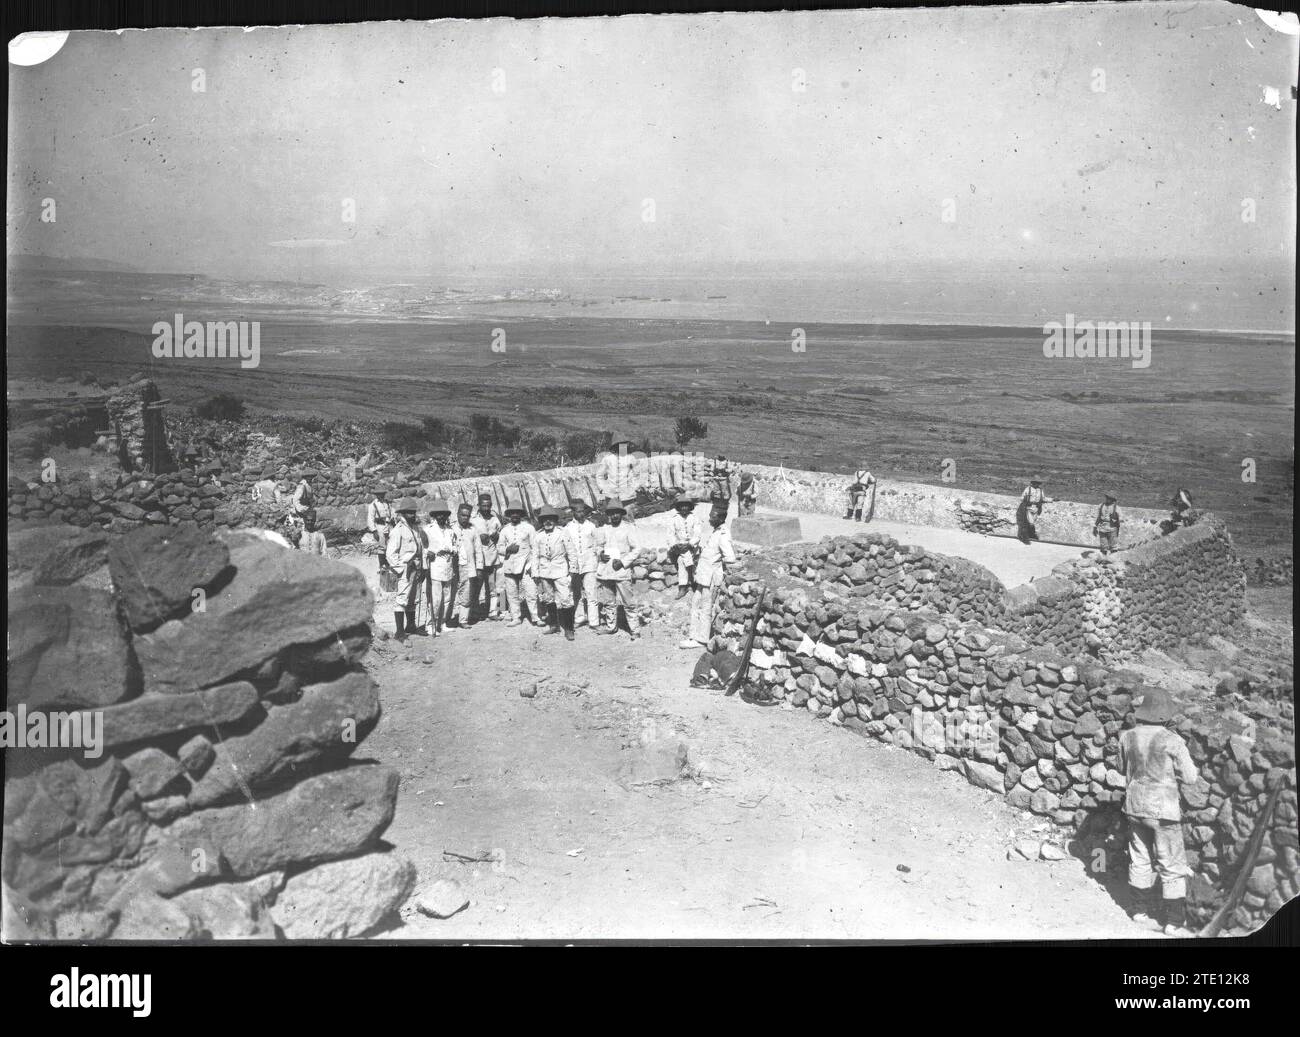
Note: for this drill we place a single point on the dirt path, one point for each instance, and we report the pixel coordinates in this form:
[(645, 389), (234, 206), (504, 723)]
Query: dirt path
[(788, 828)]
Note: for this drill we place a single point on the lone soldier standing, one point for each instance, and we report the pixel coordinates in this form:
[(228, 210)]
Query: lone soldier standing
[(1106, 527), (469, 564), (716, 553), (406, 556), (1031, 506), (379, 520), (1156, 762), (862, 487)]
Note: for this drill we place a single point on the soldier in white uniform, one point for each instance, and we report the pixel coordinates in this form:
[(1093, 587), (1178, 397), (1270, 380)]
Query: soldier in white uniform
[(583, 537), (379, 520), (552, 568), (440, 554), (716, 553), (406, 557), (619, 551), (684, 535), (516, 547), (489, 530), (620, 472), (469, 564)]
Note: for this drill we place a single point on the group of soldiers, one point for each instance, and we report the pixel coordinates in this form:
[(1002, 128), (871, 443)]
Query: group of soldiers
[(566, 571), (1105, 526)]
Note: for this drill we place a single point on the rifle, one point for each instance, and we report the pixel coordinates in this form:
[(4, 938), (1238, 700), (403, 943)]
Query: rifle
[(743, 668), (1247, 866)]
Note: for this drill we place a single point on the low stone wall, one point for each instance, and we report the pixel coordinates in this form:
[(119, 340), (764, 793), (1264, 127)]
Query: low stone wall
[(877, 568), (225, 677), (1033, 726), (1069, 522), (1187, 585)]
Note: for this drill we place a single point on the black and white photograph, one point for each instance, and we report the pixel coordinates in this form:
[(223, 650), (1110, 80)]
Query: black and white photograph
[(740, 476)]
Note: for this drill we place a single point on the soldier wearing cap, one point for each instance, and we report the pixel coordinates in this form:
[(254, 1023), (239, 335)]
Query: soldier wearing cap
[(440, 559), (406, 558), (618, 552), (1156, 763), (469, 563), (1030, 507), (379, 520), (516, 549), (716, 553), (862, 496), (746, 494), (684, 536), (304, 496), (583, 538), (489, 533), (552, 568), (1106, 526)]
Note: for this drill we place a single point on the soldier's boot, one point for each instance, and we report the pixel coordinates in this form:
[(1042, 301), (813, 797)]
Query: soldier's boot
[(411, 626), (1176, 919), (566, 618), (1144, 909), (552, 619), (399, 620), (632, 620)]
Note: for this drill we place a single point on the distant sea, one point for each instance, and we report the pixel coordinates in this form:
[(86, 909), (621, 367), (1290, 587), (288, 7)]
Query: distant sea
[(136, 300)]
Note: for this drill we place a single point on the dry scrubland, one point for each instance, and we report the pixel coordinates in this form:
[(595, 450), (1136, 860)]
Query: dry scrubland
[(900, 398)]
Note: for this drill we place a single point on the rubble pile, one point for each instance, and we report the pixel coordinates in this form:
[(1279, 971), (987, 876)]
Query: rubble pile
[(226, 676)]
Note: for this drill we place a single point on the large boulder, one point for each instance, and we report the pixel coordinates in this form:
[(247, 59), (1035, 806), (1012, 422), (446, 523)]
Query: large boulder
[(67, 649), (332, 815), (156, 570), (343, 898), (276, 598), (76, 557), (327, 722), (154, 716)]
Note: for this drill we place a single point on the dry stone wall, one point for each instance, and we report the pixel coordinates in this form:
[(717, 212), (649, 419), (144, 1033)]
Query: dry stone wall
[(1187, 585), (1032, 725), (226, 678)]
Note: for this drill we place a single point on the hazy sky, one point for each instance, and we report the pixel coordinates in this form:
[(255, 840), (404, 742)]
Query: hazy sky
[(993, 109)]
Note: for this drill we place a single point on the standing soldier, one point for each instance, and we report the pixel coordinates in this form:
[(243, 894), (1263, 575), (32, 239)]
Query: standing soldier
[(720, 493), (619, 472), (1156, 762), (618, 552), (406, 556), (304, 496), (552, 568), (1106, 527), (469, 564), (862, 496), (312, 540), (716, 553), (489, 531), (516, 545), (379, 520), (583, 538), (746, 494), (440, 553), (1030, 507), (684, 536)]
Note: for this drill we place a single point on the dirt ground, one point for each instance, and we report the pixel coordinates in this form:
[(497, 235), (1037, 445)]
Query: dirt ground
[(783, 827)]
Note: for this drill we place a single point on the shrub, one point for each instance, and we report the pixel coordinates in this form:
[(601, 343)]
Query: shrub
[(435, 431), (688, 428), (398, 435), (583, 446), (221, 407), (541, 442)]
